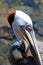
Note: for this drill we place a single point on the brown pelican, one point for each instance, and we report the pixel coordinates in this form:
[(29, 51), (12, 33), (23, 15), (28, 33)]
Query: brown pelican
[(22, 27)]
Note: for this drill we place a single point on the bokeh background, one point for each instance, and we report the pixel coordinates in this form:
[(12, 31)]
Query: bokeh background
[(34, 8)]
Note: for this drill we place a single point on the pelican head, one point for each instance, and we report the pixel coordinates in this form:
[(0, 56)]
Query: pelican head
[(22, 27)]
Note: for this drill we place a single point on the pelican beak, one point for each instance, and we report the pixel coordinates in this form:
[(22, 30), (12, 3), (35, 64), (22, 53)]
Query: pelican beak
[(33, 47), (30, 39)]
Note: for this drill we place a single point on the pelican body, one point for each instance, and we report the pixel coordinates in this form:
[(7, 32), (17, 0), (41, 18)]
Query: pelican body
[(22, 27)]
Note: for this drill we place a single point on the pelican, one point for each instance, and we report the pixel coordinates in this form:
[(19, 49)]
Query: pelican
[(22, 27)]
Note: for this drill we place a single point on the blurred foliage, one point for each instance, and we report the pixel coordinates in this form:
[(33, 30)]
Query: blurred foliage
[(29, 6)]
